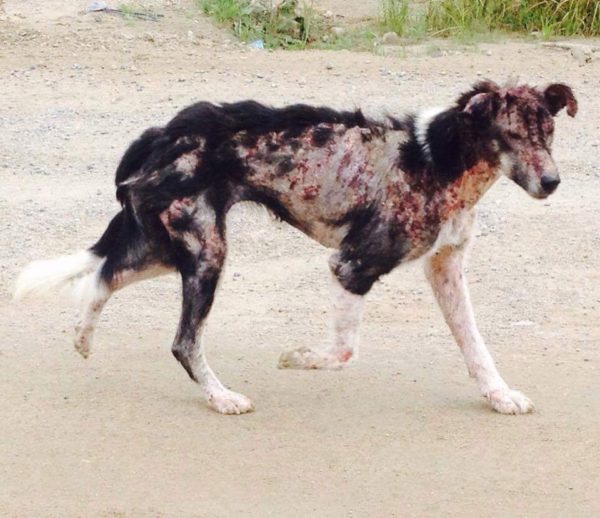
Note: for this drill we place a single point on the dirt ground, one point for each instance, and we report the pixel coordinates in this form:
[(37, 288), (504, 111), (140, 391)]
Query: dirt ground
[(403, 432)]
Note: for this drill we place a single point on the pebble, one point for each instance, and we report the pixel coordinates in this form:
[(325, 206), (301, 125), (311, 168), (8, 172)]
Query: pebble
[(391, 38)]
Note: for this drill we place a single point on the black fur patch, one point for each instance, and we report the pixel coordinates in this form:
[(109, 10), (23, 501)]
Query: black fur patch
[(321, 135), (455, 143), (213, 126), (286, 164), (371, 249)]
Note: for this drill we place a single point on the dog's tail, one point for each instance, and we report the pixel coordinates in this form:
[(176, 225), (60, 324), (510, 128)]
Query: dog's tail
[(42, 277), (75, 271)]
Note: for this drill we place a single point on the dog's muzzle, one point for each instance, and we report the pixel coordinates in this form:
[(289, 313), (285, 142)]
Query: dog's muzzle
[(549, 183)]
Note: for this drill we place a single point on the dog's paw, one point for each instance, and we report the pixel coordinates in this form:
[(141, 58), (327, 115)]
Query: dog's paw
[(306, 358), (507, 401), (228, 402), (82, 344)]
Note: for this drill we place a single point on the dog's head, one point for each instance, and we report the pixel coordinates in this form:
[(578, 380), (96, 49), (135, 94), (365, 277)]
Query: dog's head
[(519, 120)]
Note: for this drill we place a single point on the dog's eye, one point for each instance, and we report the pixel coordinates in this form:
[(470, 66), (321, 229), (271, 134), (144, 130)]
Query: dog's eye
[(514, 135)]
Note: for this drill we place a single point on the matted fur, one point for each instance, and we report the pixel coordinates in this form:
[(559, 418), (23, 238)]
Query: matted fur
[(379, 192)]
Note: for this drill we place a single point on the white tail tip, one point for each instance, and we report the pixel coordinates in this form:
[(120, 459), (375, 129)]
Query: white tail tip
[(41, 277)]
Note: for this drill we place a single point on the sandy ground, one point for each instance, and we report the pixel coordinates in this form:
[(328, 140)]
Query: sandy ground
[(403, 432)]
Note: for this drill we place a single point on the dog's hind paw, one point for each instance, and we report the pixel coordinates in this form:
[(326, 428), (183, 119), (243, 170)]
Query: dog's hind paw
[(228, 402), (507, 401), (82, 345), (306, 358)]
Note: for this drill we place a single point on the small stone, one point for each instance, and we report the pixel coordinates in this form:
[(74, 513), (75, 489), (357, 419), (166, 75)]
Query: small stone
[(329, 66), (391, 38), (581, 55)]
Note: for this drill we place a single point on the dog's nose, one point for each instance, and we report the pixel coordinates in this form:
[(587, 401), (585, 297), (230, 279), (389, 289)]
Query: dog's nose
[(549, 183)]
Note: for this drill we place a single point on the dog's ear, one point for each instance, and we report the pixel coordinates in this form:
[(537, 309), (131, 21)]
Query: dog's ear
[(559, 95), (482, 107), (481, 103)]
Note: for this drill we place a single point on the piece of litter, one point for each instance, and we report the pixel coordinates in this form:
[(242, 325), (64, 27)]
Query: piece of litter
[(257, 44), (522, 323), (96, 6)]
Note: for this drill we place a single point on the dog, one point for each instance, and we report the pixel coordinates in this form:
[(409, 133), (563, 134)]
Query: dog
[(379, 192)]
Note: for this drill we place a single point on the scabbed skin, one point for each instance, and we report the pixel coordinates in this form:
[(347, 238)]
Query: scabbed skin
[(378, 191)]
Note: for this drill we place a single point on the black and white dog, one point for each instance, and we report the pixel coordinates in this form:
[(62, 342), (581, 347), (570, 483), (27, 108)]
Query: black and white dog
[(380, 193)]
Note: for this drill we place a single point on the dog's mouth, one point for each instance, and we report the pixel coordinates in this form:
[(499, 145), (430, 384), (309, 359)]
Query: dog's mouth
[(540, 195), (530, 186)]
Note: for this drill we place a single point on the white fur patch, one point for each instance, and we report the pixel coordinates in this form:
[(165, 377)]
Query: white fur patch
[(506, 164), (422, 122), (455, 232), (444, 271), (347, 313), (218, 397), (187, 164), (40, 277)]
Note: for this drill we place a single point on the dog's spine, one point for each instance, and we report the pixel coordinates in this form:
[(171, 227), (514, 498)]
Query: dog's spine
[(41, 277), (133, 159)]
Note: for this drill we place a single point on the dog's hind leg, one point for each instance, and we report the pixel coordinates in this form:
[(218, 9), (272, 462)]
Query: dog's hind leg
[(200, 247), (128, 257), (444, 271), (93, 293)]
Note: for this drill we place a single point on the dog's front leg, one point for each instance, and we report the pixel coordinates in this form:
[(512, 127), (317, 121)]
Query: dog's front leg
[(347, 313), (444, 271)]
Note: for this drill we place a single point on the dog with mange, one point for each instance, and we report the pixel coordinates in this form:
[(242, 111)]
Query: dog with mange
[(380, 193)]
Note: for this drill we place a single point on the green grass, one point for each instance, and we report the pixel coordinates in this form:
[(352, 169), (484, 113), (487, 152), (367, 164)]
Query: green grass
[(295, 24), (546, 17), (292, 24), (394, 16)]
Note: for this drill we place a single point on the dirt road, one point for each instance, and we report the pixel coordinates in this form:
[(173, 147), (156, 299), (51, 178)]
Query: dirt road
[(403, 432)]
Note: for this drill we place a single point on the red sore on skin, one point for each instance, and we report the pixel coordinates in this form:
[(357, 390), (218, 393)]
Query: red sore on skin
[(176, 210), (344, 356), (310, 192)]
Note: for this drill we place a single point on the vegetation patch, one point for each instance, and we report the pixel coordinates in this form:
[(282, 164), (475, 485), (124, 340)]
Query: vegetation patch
[(278, 24), (477, 17), (297, 24)]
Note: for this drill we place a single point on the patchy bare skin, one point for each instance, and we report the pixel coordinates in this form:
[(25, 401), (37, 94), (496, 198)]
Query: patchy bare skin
[(325, 184)]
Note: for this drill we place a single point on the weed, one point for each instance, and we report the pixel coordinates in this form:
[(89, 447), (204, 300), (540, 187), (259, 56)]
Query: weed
[(287, 24), (394, 16), (547, 17)]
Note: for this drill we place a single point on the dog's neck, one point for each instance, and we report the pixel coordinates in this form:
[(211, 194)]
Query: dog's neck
[(468, 188), (461, 161)]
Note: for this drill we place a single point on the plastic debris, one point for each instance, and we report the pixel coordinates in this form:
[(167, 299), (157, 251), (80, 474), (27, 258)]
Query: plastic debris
[(257, 44)]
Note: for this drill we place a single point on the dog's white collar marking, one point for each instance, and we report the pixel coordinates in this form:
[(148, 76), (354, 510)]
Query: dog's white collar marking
[(422, 122)]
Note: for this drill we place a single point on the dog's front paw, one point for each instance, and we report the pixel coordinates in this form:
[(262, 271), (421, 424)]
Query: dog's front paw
[(507, 401), (228, 402), (306, 358)]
